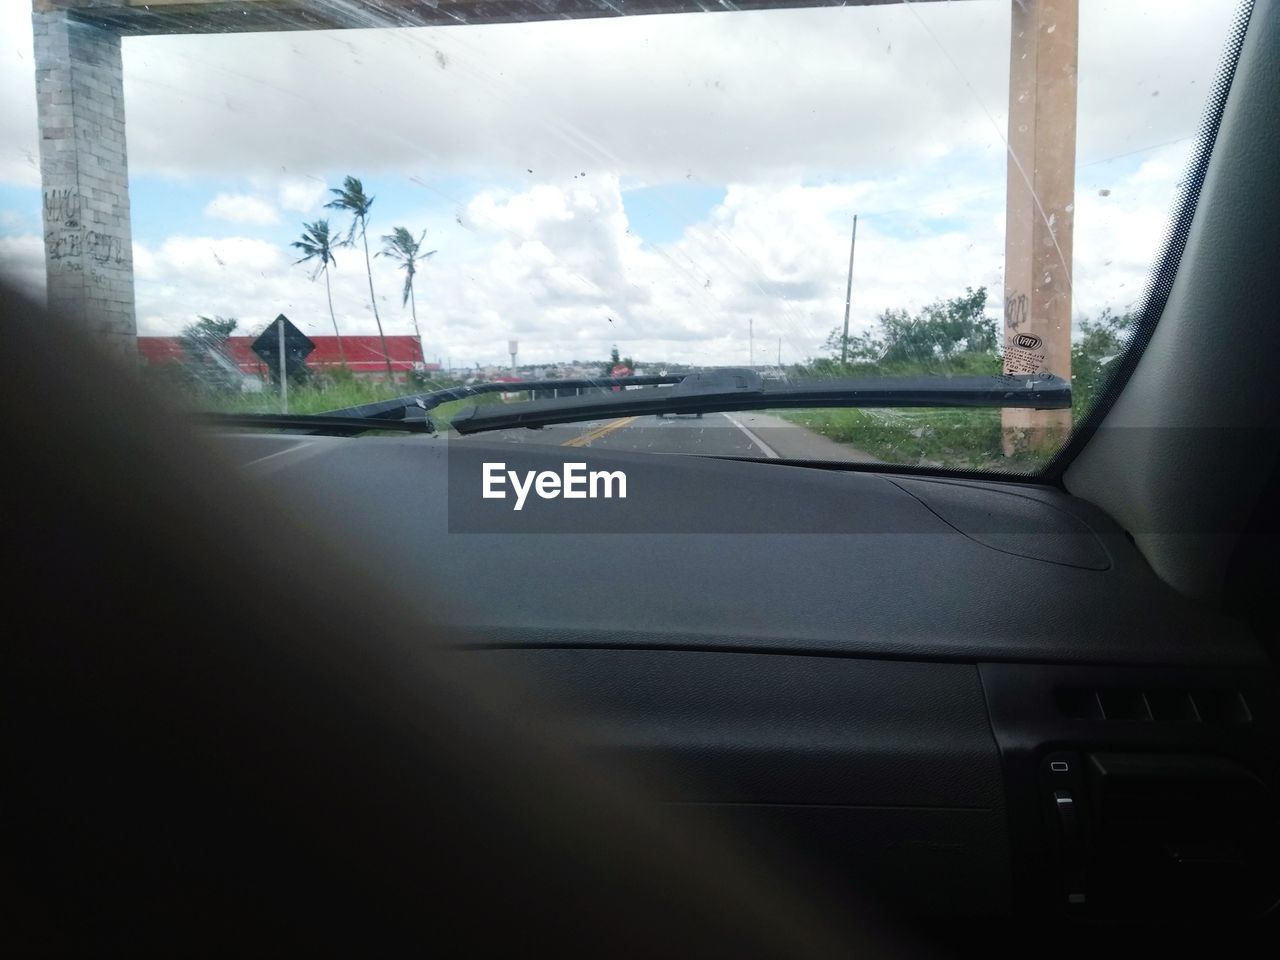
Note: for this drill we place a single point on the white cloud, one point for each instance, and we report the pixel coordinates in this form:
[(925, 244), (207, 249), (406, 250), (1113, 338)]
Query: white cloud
[(1118, 236), (723, 97), (803, 116), (302, 194), (560, 268), (598, 95), (19, 153), (242, 208), (187, 276)]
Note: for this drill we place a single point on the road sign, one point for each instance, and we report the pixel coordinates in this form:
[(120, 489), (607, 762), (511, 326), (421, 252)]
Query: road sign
[(297, 346)]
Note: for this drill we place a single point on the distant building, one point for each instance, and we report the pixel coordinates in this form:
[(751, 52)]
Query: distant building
[(363, 354)]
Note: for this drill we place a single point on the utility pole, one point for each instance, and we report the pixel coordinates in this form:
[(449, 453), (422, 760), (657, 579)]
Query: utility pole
[(751, 343), (1039, 211), (779, 353), (284, 371), (848, 295)]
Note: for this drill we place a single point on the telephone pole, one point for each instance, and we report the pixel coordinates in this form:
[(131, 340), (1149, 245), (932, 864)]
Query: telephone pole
[(1039, 211), (848, 295), (751, 343)]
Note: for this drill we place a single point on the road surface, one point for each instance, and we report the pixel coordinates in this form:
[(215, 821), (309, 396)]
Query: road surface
[(715, 434)]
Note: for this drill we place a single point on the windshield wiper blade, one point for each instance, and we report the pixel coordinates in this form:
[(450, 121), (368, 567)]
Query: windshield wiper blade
[(323, 424), (720, 391), (395, 407), (711, 391), (410, 413)]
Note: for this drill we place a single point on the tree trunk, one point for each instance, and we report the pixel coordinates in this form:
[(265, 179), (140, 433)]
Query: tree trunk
[(368, 267), (342, 353), (413, 312)]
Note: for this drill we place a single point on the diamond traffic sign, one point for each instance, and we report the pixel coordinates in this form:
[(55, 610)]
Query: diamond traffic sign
[(297, 346)]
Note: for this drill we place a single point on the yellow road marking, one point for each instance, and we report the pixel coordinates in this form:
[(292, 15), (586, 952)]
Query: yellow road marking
[(598, 432)]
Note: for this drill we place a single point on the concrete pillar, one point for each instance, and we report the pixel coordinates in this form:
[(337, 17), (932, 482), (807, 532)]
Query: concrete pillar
[(87, 237), (1039, 212)]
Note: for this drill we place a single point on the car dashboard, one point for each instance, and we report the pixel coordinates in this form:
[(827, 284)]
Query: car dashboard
[(966, 698)]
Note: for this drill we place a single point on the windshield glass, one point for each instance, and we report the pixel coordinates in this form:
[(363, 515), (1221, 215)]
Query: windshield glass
[(940, 189)]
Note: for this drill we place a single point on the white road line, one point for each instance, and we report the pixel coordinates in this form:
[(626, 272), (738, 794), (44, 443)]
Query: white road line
[(291, 449), (769, 452)]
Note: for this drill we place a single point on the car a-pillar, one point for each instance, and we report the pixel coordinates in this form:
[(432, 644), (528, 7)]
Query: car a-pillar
[(1040, 211), (84, 173)]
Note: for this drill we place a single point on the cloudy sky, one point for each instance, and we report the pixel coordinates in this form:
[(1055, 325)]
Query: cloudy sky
[(654, 182)]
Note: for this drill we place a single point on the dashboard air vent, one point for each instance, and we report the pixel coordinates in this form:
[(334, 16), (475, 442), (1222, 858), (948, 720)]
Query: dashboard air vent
[(1158, 705)]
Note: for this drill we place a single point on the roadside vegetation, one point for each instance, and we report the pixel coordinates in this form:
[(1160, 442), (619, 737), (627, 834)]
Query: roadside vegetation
[(325, 392), (951, 337), (206, 379)]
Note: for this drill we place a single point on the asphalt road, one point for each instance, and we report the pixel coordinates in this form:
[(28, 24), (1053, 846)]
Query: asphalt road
[(715, 434)]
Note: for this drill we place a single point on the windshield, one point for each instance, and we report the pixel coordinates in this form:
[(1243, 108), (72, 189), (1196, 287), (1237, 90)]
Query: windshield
[(452, 195)]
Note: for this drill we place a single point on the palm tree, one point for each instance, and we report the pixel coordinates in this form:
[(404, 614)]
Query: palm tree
[(316, 244), (352, 198), (400, 246)]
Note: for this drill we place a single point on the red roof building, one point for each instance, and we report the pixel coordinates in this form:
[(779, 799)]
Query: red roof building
[(363, 354)]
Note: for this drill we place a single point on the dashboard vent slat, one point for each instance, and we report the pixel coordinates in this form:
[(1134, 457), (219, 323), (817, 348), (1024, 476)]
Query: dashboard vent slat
[(1135, 704)]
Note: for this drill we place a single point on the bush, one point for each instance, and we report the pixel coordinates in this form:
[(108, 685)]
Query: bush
[(929, 341), (949, 338), (208, 367), (1098, 344)]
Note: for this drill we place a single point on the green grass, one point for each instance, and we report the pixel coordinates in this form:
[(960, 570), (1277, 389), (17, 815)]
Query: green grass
[(329, 393), (306, 399), (950, 438), (955, 439)]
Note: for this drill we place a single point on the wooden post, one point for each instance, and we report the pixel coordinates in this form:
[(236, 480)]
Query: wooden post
[(1040, 210), (284, 370)]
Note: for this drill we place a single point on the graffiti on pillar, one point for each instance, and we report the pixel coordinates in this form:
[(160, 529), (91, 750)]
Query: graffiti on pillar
[(66, 240), (69, 245), (104, 248), (1015, 311), (62, 207), (62, 244), (63, 239)]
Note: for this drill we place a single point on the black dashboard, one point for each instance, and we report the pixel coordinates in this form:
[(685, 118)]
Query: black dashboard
[(971, 698)]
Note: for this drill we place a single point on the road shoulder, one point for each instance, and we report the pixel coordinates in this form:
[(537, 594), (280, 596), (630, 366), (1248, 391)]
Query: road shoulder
[(790, 441)]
